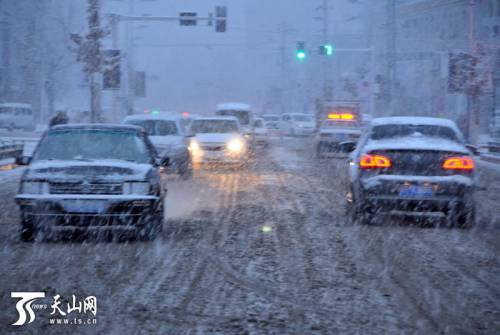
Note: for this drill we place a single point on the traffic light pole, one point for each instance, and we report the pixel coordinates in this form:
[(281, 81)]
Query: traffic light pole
[(115, 19)]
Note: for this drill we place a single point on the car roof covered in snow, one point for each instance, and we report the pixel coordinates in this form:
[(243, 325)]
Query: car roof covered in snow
[(15, 105), (414, 120), (227, 118), (97, 126), (160, 116), (234, 106)]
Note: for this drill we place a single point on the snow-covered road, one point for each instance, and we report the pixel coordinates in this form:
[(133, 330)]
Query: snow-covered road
[(267, 250)]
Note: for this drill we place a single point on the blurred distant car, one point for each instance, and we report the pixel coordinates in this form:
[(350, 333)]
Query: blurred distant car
[(17, 116), (335, 127), (218, 139), (297, 124), (91, 178), (412, 166), (166, 134), (10, 149), (261, 132), (272, 122)]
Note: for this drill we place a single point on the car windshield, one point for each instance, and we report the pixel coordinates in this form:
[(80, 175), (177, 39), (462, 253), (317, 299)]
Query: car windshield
[(401, 130), (6, 110), (214, 126), (302, 118), (271, 118), (157, 127), (90, 144), (242, 116)]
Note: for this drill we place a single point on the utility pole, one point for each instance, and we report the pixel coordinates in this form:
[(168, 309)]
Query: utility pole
[(325, 69), (391, 55), (89, 52), (130, 60), (283, 30)]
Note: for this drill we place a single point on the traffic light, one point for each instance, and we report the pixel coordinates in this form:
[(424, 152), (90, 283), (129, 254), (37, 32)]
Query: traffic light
[(301, 53), (220, 19), (326, 49)]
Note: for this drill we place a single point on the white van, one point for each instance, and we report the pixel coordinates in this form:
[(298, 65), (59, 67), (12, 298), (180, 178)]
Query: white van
[(241, 111), (16, 115)]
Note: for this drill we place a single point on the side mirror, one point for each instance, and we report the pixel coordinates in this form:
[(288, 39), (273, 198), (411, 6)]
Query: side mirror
[(23, 160), (474, 149), (347, 146)]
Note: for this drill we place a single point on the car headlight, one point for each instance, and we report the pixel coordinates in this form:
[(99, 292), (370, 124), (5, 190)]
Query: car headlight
[(235, 145), (139, 188), (194, 146), (34, 187)]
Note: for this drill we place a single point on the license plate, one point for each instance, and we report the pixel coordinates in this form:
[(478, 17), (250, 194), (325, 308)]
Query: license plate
[(85, 206), (416, 191)]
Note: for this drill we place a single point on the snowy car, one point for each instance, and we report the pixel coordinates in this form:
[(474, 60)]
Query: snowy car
[(217, 139), (260, 132), (411, 166), (335, 128), (167, 135), (272, 122), (89, 178), (297, 124)]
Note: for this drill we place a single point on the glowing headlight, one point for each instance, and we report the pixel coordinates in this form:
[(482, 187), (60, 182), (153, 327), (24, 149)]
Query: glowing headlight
[(33, 187), (194, 146), (138, 188), (235, 145)]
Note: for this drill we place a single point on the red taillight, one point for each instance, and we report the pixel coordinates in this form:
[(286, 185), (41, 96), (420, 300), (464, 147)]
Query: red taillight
[(458, 163), (374, 161)]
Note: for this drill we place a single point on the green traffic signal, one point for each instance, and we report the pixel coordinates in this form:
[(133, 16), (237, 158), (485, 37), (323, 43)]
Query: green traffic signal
[(301, 55), (328, 48)]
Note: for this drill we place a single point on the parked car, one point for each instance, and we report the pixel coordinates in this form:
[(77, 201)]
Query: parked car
[(297, 124), (167, 135), (412, 166), (218, 139), (261, 132), (91, 178), (271, 121), (17, 116)]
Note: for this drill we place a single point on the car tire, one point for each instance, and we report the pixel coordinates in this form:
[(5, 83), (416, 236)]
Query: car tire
[(186, 170), (151, 228), (357, 212), (319, 150), (28, 232), (464, 219)]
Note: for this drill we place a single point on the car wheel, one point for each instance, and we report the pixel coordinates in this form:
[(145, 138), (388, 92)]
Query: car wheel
[(358, 212), (186, 170), (319, 150), (28, 232), (465, 218), (153, 226)]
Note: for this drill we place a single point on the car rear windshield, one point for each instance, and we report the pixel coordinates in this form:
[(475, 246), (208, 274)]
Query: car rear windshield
[(242, 116), (93, 144), (271, 118), (157, 127), (214, 126), (401, 130), (302, 118), (258, 124)]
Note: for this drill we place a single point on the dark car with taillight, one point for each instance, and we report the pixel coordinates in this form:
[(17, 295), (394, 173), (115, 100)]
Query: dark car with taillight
[(417, 166), (91, 178)]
